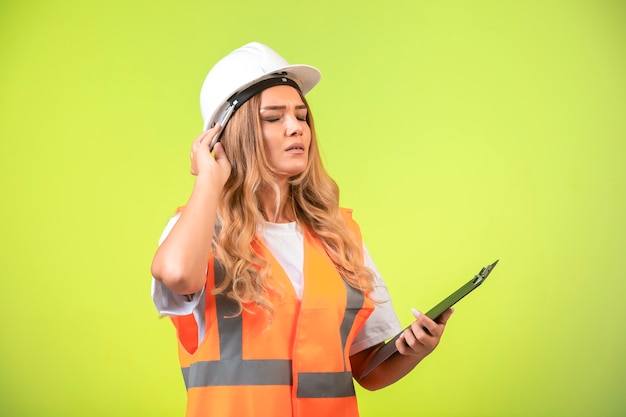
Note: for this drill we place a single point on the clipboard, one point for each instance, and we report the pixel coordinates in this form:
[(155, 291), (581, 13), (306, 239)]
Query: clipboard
[(389, 348)]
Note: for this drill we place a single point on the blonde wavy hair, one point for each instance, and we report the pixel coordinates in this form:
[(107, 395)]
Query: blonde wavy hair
[(313, 195)]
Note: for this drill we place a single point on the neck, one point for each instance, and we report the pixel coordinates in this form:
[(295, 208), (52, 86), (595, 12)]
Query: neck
[(268, 200)]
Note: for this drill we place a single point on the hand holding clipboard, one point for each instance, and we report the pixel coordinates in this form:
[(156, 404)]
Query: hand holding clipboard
[(389, 348)]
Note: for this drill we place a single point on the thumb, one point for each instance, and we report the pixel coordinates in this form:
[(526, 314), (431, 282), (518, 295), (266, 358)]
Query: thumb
[(219, 151), (443, 318)]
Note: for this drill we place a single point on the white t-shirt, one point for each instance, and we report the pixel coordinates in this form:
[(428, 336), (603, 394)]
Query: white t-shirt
[(286, 242)]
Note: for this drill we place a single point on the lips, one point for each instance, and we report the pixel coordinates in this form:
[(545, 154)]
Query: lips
[(295, 147)]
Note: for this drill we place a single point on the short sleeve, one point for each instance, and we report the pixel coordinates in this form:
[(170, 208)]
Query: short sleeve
[(383, 323)]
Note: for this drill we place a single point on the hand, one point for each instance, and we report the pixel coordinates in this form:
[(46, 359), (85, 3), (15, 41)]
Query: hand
[(202, 161), (423, 336)]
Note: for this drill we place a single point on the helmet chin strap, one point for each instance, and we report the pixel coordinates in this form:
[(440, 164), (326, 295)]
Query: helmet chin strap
[(241, 97)]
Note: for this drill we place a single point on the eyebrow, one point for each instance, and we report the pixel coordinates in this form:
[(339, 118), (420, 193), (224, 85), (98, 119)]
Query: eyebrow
[(298, 107)]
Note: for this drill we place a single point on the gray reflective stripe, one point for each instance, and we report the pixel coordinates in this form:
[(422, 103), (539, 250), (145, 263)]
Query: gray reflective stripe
[(325, 385), (229, 327), (238, 372), (334, 384), (354, 303), (186, 377), (233, 370)]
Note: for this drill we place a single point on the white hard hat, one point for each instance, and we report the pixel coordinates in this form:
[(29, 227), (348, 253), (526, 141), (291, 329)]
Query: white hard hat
[(243, 68)]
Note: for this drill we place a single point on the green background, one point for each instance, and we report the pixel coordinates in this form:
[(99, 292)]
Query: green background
[(460, 132)]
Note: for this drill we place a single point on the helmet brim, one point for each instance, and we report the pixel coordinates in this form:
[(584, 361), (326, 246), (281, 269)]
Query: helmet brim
[(306, 76)]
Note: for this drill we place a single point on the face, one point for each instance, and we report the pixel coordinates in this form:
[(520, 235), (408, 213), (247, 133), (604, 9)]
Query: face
[(286, 134)]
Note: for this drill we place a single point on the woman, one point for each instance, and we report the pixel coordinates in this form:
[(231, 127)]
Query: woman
[(276, 302)]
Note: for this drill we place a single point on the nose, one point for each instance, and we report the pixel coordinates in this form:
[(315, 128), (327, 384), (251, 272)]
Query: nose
[(293, 126)]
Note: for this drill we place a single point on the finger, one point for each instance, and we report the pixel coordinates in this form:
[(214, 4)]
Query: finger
[(421, 332), (415, 338), (404, 346), (445, 316), (194, 149), (423, 321), (220, 153), (196, 143), (210, 134), (192, 165), (199, 141)]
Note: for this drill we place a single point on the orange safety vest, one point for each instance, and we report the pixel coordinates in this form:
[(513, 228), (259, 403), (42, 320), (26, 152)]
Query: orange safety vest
[(299, 365)]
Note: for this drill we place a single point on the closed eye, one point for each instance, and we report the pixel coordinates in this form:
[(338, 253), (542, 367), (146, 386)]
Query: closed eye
[(272, 119)]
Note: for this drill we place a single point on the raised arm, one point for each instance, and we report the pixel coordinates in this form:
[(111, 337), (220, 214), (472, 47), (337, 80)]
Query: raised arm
[(180, 261)]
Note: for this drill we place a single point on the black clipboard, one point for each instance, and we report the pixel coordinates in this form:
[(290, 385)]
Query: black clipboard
[(389, 348)]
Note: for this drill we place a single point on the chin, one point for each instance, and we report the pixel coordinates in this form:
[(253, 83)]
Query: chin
[(290, 173)]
